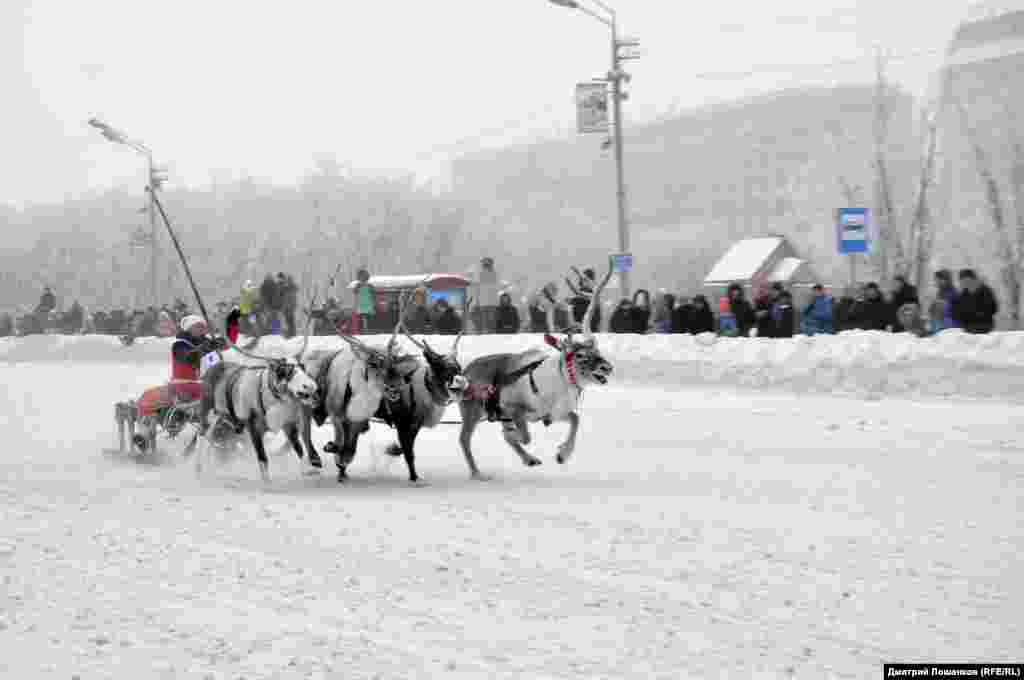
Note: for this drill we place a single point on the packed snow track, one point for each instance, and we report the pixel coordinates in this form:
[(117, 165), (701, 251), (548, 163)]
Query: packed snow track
[(700, 531)]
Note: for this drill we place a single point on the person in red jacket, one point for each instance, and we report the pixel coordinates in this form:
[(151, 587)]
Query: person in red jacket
[(190, 346)]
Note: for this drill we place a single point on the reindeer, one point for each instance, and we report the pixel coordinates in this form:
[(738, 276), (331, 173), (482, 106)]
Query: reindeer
[(424, 393), (532, 386), (351, 385), (264, 398)]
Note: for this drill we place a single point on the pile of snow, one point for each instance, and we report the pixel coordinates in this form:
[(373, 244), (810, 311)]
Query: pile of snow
[(865, 364)]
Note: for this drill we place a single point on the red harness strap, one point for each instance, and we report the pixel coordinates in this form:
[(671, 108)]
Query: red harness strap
[(570, 359), (570, 368), (478, 392)]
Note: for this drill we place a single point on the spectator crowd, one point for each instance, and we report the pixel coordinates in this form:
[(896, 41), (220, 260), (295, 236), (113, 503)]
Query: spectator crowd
[(273, 308)]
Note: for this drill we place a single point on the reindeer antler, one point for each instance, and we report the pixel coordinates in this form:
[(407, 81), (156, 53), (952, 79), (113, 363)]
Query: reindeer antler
[(589, 315), (309, 325), (246, 353)]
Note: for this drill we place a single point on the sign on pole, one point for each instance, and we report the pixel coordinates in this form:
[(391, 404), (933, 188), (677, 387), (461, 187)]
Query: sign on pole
[(622, 263), (591, 107), (852, 230)]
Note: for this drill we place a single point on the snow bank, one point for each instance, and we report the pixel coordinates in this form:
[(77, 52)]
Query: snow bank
[(866, 364)]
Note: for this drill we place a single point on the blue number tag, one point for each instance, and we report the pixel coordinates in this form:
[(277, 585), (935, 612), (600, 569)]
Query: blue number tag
[(207, 362)]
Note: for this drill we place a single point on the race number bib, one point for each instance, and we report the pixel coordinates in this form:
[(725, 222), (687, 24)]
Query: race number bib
[(207, 362)]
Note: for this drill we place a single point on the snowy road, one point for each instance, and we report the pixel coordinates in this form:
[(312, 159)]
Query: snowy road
[(695, 534)]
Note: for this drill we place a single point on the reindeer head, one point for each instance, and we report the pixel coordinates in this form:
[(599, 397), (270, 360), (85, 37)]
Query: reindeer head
[(383, 367), (289, 375), (584, 362)]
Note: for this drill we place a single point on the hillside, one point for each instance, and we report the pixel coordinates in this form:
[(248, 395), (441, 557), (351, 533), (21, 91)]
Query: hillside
[(695, 184)]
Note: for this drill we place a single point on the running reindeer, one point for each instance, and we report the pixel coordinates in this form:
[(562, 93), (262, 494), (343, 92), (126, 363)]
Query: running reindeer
[(351, 382), (424, 392), (535, 385), (263, 398)]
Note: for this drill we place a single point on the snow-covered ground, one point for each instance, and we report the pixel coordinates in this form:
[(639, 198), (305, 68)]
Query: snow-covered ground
[(703, 528)]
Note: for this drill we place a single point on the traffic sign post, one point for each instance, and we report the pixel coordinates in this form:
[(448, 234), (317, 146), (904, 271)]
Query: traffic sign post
[(852, 226), (622, 263), (853, 235)]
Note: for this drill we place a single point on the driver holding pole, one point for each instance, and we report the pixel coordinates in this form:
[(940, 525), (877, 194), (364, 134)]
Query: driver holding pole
[(190, 346)]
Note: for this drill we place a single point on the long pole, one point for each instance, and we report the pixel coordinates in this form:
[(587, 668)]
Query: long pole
[(620, 185), (153, 247), (177, 246)]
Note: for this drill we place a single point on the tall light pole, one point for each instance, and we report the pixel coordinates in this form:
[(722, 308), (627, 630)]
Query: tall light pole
[(616, 76), (155, 181)]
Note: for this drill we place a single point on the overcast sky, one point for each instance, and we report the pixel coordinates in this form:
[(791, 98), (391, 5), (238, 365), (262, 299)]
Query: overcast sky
[(222, 88)]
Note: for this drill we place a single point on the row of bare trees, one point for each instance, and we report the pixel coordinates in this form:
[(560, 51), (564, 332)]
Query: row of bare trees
[(335, 221), (907, 242)]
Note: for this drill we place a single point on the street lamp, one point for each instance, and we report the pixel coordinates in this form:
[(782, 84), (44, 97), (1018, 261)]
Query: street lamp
[(616, 76), (118, 137)]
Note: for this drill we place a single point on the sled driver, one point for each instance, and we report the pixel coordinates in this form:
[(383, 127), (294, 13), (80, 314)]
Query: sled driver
[(190, 345)]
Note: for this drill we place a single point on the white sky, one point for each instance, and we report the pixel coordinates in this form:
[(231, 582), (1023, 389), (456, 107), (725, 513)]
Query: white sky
[(227, 88)]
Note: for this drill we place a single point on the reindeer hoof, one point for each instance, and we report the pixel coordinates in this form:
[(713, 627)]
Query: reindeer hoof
[(532, 462), (315, 461), (478, 477), (331, 447)]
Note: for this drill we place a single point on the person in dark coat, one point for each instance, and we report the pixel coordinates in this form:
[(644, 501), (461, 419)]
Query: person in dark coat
[(764, 310), (622, 317), (47, 301), (843, 318), (506, 316), (446, 320), (288, 294), (742, 310), (701, 319), (872, 313), (902, 294), (977, 307), (538, 318), (763, 313), (641, 312), (783, 316), (682, 316)]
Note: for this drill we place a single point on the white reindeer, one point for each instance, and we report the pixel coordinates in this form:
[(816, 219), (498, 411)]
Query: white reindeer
[(352, 382), (263, 398), (531, 386)]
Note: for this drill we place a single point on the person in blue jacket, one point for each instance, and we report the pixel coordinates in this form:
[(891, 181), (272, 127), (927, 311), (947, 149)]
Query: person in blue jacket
[(817, 316)]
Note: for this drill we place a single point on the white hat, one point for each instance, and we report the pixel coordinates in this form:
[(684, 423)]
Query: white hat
[(191, 320)]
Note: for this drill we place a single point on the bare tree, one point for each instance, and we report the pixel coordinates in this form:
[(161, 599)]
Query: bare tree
[(1009, 236), (921, 234), (889, 253)]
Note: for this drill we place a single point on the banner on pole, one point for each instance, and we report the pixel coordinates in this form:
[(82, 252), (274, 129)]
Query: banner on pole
[(591, 107), (853, 230)]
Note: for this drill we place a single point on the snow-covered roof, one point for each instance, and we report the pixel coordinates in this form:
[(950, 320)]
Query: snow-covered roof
[(786, 267), (410, 281), (743, 260)]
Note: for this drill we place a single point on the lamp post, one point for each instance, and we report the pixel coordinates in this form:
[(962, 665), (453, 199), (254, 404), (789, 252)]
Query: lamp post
[(154, 180), (616, 76)]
